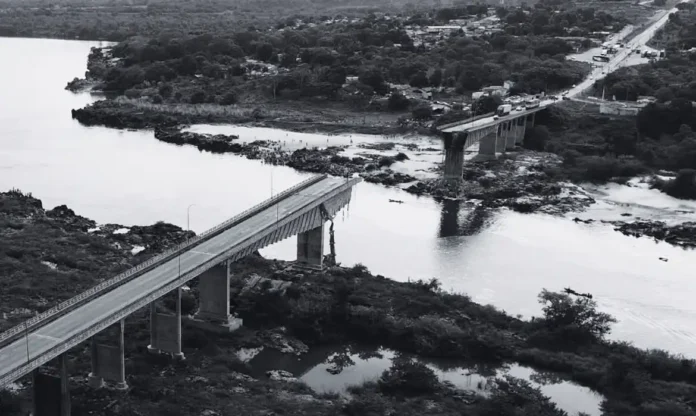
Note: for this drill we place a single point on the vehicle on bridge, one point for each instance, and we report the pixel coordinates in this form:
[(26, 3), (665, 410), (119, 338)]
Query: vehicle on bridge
[(531, 103), (503, 110)]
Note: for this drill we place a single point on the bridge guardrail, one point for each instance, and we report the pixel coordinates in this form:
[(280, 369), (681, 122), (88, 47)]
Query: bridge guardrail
[(156, 260), (468, 120)]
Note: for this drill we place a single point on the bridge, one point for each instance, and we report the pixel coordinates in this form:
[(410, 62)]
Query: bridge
[(493, 135), (301, 210)]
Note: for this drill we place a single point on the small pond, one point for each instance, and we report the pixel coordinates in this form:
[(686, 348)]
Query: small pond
[(361, 365)]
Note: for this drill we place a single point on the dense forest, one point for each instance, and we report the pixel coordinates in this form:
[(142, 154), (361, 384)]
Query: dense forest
[(304, 59)]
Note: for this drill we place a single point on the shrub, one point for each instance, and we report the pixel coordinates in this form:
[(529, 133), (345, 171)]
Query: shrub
[(229, 99), (424, 112), (574, 319), (166, 90), (683, 186), (132, 93), (397, 102), (386, 161), (400, 157), (198, 97)]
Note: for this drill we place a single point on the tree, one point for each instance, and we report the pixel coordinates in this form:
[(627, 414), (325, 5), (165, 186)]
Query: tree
[(198, 97), (373, 77), (536, 137), (436, 78), (264, 51), (684, 186), (424, 112), (664, 94), (419, 80), (159, 71), (229, 99), (578, 318), (486, 104), (397, 102)]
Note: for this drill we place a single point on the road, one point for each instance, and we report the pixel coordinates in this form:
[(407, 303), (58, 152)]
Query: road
[(638, 42), (597, 73), (98, 310)]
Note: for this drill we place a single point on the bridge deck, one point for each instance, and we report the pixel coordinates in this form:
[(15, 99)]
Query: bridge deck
[(488, 121), (64, 329)]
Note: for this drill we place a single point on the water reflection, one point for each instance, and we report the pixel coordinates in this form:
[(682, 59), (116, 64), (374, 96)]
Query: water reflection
[(473, 222), (449, 219), (335, 369)]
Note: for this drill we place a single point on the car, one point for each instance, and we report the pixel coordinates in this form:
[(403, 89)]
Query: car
[(565, 97), (564, 93), (519, 108)]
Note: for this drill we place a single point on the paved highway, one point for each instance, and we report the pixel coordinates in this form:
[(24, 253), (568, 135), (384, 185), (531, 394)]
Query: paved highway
[(598, 73), (98, 310)]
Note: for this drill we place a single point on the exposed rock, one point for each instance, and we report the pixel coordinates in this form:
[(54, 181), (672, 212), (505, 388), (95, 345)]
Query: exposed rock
[(256, 282), (518, 182), (281, 375), (276, 339), (683, 235)]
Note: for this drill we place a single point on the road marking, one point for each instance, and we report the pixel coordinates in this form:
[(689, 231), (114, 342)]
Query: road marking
[(46, 337)]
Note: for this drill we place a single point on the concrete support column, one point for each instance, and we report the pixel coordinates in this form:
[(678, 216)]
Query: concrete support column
[(108, 361), (502, 137), (521, 129), (51, 393), (214, 300), (310, 248), (512, 135), (530, 120), (214, 292), (165, 330), (454, 155), (487, 145)]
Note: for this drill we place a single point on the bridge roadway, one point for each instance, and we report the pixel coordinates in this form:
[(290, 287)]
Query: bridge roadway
[(487, 121), (639, 41), (50, 340)]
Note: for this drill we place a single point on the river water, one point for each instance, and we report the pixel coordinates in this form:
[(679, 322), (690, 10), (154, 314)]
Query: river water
[(130, 178)]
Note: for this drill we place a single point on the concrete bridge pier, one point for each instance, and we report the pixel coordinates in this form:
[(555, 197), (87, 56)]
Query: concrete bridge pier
[(521, 129), (214, 298), (512, 135), (52, 393), (454, 155), (530, 120), (488, 144), (310, 248), (165, 330), (503, 131), (108, 361)]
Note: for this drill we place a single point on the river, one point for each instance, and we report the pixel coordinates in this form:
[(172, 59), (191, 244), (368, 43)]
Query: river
[(130, 178)]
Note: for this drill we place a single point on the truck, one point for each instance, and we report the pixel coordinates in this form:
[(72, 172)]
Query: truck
[(503, 110), (531, 103)]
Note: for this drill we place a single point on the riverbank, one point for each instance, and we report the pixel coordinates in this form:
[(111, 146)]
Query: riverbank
[(518, 181), (341, 305), (523, 180)]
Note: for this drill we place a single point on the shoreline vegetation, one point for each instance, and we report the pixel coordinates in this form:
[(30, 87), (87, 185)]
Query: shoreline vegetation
[(338, 307)]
